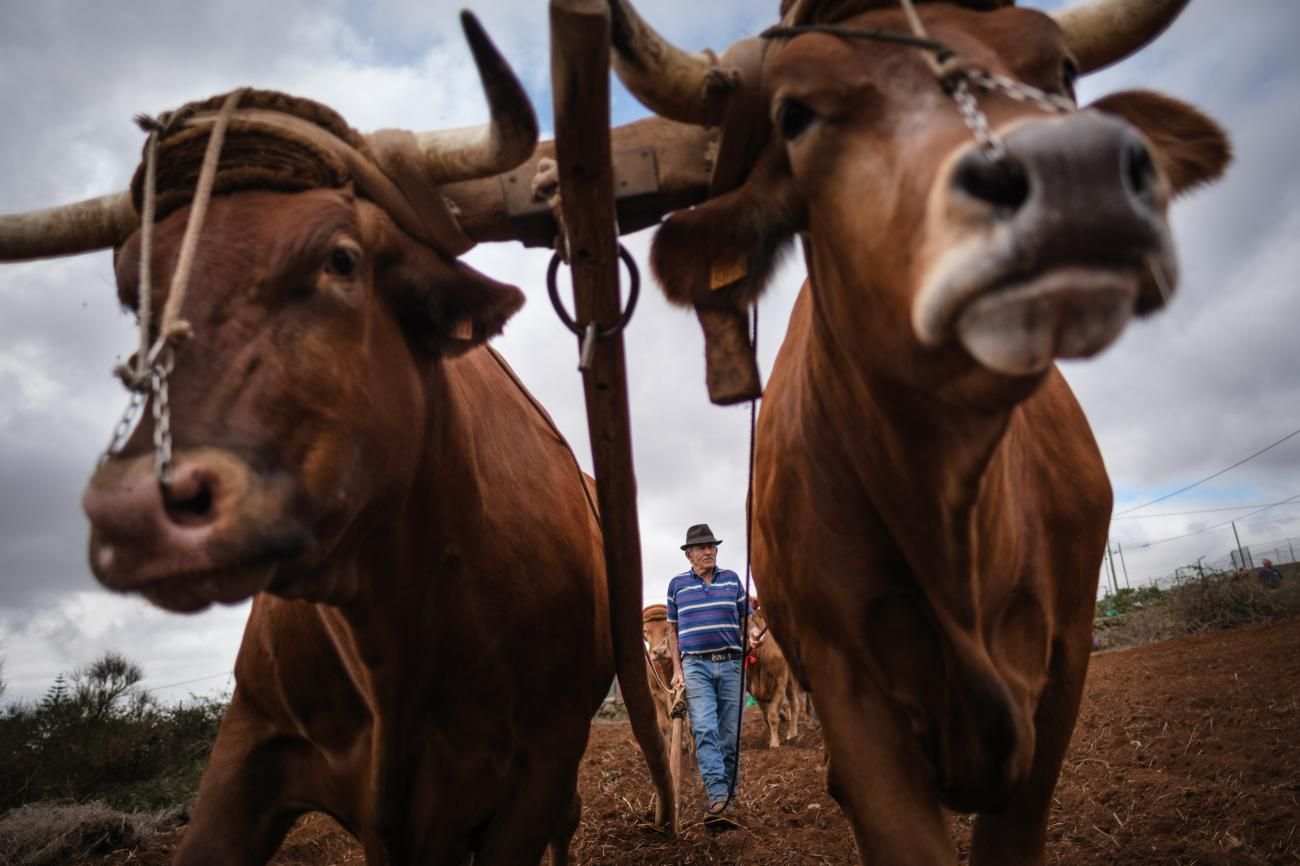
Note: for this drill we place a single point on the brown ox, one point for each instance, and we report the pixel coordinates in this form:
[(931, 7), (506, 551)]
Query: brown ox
[(929, 503), (659, 668), (410, 522), (768, 679)]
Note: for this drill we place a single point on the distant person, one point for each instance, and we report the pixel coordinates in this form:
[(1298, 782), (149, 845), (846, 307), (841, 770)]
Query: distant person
[(705, 604), (1269, 575)]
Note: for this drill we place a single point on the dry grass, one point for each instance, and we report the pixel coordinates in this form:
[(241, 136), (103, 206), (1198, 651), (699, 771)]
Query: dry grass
[(47, 834), (1218, 602)]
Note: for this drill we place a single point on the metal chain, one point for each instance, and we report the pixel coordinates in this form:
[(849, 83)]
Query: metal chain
[(162, 419), (1021, 92), (124, 426), (977, 121)]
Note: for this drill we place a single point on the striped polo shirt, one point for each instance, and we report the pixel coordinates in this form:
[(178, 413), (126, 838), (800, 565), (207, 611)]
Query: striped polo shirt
[(707, 615)]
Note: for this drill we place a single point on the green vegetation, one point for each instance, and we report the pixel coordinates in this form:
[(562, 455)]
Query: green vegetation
[(96, 735), (1127, 600), (1217, 600)]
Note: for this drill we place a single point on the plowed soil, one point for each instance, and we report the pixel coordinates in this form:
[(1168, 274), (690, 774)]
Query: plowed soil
[(1186, 752)]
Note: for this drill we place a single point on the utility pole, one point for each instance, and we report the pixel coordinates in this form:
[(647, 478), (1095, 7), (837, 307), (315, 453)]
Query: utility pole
[(1292, 546), (1113, 582), (1241, 554), (1123, 564)]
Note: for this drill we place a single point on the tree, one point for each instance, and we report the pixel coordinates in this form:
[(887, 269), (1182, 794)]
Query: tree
[(99, 687)]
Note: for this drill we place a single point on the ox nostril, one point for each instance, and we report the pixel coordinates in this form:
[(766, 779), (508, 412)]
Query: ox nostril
[(1000, 183), (1138, 170), (189, 502)]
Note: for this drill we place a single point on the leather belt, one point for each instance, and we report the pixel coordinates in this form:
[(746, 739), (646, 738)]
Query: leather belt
[(723, 656)]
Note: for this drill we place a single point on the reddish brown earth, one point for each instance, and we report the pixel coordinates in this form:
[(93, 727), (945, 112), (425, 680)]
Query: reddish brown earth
[(1187, 752)]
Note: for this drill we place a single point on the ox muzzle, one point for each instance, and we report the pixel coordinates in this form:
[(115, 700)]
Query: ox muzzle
[(1048, 252), (214, 535)]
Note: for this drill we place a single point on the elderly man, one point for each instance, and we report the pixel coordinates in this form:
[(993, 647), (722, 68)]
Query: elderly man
[(705, 605)]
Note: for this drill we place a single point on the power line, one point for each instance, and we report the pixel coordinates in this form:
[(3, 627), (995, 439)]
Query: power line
[(187, 682), (1215, 526), (1207, 478), (1205, 510)]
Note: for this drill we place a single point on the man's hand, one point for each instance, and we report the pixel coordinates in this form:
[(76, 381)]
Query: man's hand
[(678, 679)]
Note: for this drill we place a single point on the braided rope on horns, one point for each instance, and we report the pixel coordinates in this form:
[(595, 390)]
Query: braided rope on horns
[(253, 157), (655, 613), (289, 144)]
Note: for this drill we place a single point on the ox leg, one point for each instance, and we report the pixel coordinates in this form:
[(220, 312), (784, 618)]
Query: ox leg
[(791, 692), (1017, 836), (244, 805), (542, 815), (878, 779), (559, 846), (772, 715)]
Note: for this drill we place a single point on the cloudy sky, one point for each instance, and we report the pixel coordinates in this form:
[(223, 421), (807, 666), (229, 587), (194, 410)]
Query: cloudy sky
[(1181, 397)]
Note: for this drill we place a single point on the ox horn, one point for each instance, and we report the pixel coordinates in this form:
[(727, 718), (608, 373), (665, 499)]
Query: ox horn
[(473, 152), (689, 88), (1106, 31), (67, 230)]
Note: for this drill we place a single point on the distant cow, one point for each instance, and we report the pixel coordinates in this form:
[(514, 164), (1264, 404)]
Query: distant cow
[(429, 635), (930, 508), (768, 679), (659, 671)]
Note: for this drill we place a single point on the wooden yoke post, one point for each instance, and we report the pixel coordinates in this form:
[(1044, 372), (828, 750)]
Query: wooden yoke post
[(580, 46)]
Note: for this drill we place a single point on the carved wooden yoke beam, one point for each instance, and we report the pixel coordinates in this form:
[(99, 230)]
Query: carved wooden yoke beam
[(659, 166), (580, 34)]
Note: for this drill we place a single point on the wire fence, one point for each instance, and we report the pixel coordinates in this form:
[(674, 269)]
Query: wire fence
[(1281, 552)]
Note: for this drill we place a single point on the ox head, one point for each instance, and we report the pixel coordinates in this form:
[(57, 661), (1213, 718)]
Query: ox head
[(324, 296), (757, 623), (654, 631), (930, 261)]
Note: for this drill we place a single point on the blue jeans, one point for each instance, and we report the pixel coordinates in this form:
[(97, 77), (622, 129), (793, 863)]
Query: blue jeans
[(713, 695)]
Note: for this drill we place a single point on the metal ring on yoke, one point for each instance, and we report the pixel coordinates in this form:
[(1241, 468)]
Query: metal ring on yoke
[(633, 293)]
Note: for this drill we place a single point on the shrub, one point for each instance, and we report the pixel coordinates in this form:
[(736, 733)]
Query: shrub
[(1128, 599), (96, 735), (1217, 602)]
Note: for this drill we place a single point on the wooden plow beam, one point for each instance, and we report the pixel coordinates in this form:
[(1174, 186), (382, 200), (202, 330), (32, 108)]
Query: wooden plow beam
[(580, 46)]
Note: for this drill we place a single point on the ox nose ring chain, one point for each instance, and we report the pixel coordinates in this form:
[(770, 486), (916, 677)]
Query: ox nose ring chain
[(153, 381)]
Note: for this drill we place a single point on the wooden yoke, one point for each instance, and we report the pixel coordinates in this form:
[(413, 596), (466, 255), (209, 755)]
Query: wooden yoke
[(580, 45)]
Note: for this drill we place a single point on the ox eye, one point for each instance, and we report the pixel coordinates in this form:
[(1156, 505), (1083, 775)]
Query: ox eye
[(1069, 76), (793, 117), (343, 261)]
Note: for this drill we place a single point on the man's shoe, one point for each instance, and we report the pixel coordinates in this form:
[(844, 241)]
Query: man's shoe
[(716, 807)]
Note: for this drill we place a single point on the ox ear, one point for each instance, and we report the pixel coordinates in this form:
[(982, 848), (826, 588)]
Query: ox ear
[(722, 253), (1190, 148), (718, 257), (448, 307)]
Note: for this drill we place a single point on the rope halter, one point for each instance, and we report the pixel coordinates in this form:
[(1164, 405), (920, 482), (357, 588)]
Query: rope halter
[(950, 70), (154, 362)]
